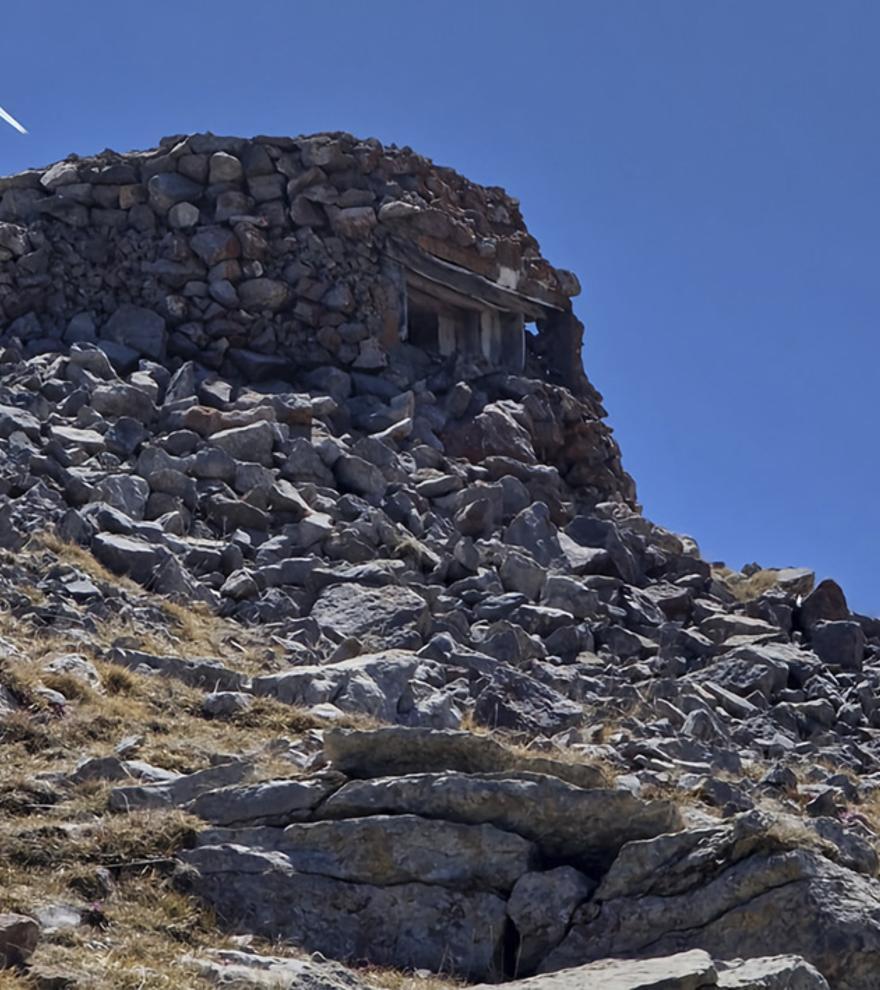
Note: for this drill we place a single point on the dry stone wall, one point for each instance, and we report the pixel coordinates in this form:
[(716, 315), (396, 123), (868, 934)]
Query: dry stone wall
[(209, 245), (287, 259)]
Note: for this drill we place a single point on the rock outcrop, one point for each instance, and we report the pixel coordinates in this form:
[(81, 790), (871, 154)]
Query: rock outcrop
[(291, 501)]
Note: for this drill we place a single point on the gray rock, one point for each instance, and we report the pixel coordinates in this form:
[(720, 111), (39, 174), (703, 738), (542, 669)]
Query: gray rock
[(770, 973), (840, 644), (240, 585), (692, 970), (223, 704), (200, 672), (826, 602), (231, 968), (583, 827), (19, 936), (795, 580), (247, 443), (169, 188), (130, 557), (263, 293), (533, 530), (88, 440), (513, 700), (569, 594), (354, 474), (399, 751), (224, 167), (732, 891), (521, 572), (179, 791), (183, 216), (541, 906), (119, 399), (262, 893), (77, 667), (125, 492), (745, 670), (387, 617), (215, 244), (15, 420), (370, 685), (141, 329), (722, 627), (270, 802), (396, 926), (394, 849)]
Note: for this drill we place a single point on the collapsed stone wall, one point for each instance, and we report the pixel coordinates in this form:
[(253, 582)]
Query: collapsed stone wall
[(274, 257)]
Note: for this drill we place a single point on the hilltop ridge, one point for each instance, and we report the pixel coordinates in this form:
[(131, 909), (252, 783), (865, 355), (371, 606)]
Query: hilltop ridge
[(331, 622)]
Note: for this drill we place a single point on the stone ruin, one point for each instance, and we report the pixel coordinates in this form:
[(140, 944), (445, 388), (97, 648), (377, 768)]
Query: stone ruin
[(333, 393), (281, 259), (251, 255)]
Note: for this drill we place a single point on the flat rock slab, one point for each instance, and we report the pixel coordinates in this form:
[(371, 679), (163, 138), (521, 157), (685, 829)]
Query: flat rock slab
[(683, 971), (408, 925), (393, 849), (583, 827), (407, 849), (175, 793), (230, 968), (269, 802), (199, 672), (771, 973), (398, 750)]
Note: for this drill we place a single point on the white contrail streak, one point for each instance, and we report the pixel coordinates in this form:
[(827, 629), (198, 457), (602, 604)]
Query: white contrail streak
[(11, 120)]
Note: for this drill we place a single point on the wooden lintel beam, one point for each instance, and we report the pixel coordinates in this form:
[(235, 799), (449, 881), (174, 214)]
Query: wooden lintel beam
[(468, 284)]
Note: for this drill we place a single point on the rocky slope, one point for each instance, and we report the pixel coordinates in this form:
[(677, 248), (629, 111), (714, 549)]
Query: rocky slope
[(316, 643)]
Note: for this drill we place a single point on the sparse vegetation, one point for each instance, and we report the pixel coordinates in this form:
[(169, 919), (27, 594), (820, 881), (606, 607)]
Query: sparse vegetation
[(746, 588)]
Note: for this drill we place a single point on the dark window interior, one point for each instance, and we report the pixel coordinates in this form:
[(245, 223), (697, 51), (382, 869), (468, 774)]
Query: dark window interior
[(423, 327)]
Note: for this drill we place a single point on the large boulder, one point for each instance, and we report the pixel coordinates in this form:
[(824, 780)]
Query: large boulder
[(533, 530), (380, 617), (405, 925), (497, 430), (394, 849), (734, 891), (585, 827), (540, 906), (269, 802), (840, 644), (515, 701), (826, 602)]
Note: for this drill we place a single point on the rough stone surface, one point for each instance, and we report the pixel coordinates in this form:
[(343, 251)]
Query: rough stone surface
[(463, 706), (263, 893)]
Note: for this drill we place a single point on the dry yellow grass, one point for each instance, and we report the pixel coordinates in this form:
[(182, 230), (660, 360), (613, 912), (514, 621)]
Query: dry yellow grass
[(53, 841), (746, 588), (191, 628)]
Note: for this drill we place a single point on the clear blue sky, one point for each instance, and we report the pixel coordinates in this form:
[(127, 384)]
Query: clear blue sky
[(710, 168)]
